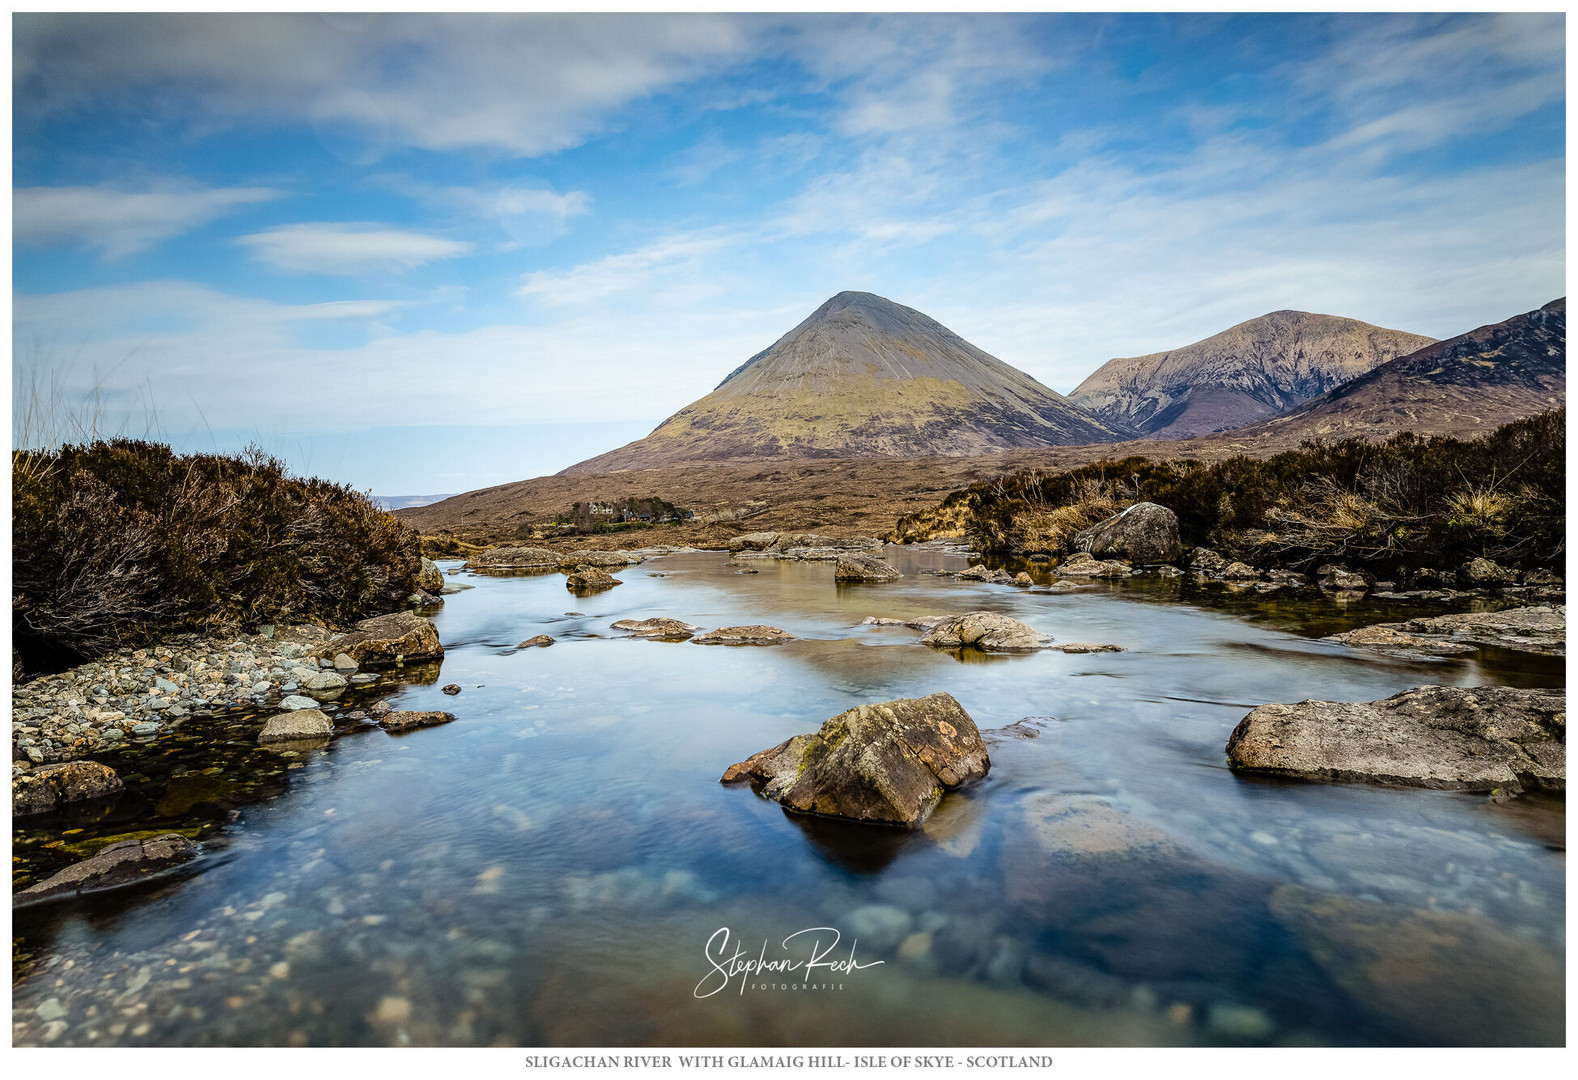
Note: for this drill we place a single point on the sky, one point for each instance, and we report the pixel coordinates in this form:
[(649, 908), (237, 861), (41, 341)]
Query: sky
[(425, 254)]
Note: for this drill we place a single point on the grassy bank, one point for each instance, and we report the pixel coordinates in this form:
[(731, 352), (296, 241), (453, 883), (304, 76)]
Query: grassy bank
[(1403, 503), (125, 541)]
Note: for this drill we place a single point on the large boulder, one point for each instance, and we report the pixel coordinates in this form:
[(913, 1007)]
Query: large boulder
[(858, 566), (743, 635), (987, 631), (1485, 574), (1478, 738), (514, 558), (387, 640), (296, 726), (125, 863), (431, 578), (887, 763), (1144, 533), (51, 786)]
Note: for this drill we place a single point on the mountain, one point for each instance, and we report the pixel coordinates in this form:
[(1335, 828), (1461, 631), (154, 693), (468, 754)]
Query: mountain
[(1248, 372), (863, 377), (404, 502), (1462, 386)]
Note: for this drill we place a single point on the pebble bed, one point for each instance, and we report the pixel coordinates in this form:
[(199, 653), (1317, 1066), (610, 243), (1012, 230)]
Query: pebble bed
[(137, 693)]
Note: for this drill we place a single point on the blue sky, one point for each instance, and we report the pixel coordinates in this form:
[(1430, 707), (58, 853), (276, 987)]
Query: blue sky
[(431, 253)]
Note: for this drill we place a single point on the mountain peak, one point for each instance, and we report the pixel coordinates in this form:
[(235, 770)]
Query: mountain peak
[(862, 376)]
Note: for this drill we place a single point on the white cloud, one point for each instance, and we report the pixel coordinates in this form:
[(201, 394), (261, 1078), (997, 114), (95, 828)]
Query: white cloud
[(118, 222), (526, 84), (658, 266), (347, 249)]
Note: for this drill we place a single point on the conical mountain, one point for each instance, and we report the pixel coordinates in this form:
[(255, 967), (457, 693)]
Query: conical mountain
[(863, 377), (1249, 372), (1462, 386)]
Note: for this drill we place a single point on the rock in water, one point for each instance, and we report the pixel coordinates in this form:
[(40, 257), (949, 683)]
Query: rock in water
[(590, 579), (1144, 533), (1469, 738), (743, 635), (431, 578), (541, 641), (298, 725), (658, 629), (1539, 629), (602, 560), (887, 763), (390, 639), (1387, 638), (855, 566), (125, 863), (1084, 564), (514, 558), (987, 631), (50, 786), (406, 721)]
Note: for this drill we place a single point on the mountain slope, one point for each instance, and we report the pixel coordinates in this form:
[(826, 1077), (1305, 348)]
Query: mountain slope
[(862, 377), (1465, 385), (1248, 372)]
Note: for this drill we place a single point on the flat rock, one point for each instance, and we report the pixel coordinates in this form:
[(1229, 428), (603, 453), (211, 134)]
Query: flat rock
[(859, 566), (923, 622), (1084, 564), (50, 786), (407, 721), (987, 631), (125, 863), (601, 560), (887, 763), (1144, 533), (1479, 738), (743, 635), (1385, 637), (1538, 629), (541, 641), (1087, 647), (514, 558), (392, 639), (293, 702), (658, 629), (294, 726), (1442, 977)]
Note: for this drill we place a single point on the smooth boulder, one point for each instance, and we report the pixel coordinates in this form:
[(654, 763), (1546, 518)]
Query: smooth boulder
[(49, 787), (387, 640), (125, 863), (858, 566), (302, 724), (430, 579), (987, 631), (1145, 533), (887, 763), (1481, 738)]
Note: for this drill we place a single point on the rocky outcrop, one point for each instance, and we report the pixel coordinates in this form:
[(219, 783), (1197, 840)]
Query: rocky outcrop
[(297, 726), (1479, 738), (743, 635), (407, 721), (514, 558), (400, 638), (658, 629), (590, 579), (431, 578), (602, 560), (1541, 628), (1145, 533), (1085, 565), (855, 567), (1388, 639), (987, 631), (887, 764), (126, 863), (52, 786)]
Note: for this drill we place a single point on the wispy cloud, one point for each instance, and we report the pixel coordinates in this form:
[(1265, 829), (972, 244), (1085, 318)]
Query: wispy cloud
[(656, 266), (348, 249), (119, 222)]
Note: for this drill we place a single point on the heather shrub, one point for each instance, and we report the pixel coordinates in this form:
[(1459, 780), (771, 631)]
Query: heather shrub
[(125, 541)]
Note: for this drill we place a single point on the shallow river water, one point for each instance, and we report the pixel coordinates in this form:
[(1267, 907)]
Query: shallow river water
[(562, 867)]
